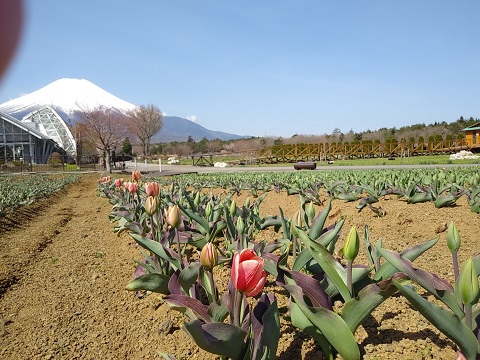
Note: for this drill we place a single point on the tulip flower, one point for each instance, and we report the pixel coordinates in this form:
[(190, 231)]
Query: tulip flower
[(118, 182), (209, 256), (136, 175), (132, 188), (248, 274), (152, 189), (151, 205), (173, 216)]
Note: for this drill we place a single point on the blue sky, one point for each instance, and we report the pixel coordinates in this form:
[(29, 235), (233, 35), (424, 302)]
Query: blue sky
[(262, 68)]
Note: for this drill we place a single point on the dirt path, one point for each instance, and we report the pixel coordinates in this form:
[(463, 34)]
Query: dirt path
[(63, 274), (63, 281)]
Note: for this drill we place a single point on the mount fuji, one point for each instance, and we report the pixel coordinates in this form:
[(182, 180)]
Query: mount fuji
[(69, 97)]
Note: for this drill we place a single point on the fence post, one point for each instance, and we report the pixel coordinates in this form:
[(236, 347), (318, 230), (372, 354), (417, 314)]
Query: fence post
[(160, 165)]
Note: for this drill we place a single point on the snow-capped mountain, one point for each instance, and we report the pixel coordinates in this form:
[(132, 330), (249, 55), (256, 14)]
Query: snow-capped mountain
[(70, 97), (67, 97)]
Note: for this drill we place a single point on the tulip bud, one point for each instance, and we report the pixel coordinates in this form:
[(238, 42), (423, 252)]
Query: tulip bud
[(152, 189), (468, 283), (296, 221), (311, 211), (208, 210), (240, 225), (453, 238), (209, 256), (151, 205), (233, 208), (248, 274), (173, 216), (136, 175), (351, 247), (196, 201)]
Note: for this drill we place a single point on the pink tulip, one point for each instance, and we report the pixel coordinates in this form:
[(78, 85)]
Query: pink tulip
[(248, 274), (152, 189), (132, 188), (136, 175), (118, 182)]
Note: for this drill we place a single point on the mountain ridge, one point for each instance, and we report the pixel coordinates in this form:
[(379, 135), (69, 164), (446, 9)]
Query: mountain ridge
[(71, 97)]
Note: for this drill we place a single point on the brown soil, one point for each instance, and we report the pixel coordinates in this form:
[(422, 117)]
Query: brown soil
[(63, 274)]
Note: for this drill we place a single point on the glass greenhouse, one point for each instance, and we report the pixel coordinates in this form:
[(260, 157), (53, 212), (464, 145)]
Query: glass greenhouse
[(20, 142)]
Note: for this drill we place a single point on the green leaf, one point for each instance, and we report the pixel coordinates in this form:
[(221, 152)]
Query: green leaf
[(300, 321), (218, 338), (444, 320), (386, 270), (371, 296), (331, 325), (154, 282), (332, 268), (188, 276), (156, 248), (430, 282)]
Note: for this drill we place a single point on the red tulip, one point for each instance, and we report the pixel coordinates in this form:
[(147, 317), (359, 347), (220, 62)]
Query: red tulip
[(152, 189), (248, 274)]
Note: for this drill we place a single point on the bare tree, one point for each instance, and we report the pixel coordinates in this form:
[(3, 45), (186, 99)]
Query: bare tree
[(105, 128), (144, 122)]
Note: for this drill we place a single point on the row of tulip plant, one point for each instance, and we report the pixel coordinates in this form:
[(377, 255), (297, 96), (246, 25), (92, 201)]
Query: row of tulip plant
[(443, 186), (185, 234), (26, 189)]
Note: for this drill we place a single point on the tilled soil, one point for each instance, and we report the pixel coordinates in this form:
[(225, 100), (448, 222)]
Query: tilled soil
[(63, 273)]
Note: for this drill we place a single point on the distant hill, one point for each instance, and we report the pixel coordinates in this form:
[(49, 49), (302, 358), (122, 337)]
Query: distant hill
[(69, 96), (179, 129)]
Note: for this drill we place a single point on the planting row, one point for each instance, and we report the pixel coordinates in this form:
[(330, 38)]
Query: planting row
[(441, 186), (26, 189), (167, 222)]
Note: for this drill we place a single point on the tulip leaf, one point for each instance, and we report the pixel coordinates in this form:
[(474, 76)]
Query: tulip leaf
[(218, 338), (154, 282), (218, 310), (300, 321), (331, 325), (311, 288), (266, 328), (442, 289), (444, 320), (332, 268), (371, 296), (197, 218), (193, 308), (329, 237), (358, 273), (188, 276), (386, 270), (156, 248), (318, 222)]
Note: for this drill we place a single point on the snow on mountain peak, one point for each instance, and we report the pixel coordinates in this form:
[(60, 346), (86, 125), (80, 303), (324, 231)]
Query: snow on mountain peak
[(67, 95)]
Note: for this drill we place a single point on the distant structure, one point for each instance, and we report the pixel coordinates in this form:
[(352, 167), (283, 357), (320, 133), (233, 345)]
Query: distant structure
[(20, 142), (48, 122)]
